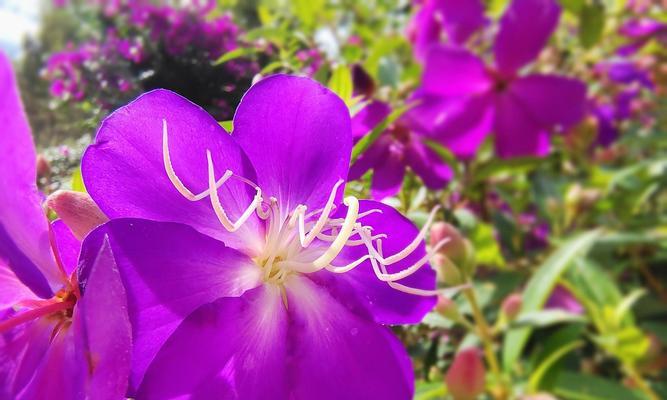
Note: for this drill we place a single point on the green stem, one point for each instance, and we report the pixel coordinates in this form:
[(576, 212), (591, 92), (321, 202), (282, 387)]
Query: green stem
[(484, 333), (641, 383)]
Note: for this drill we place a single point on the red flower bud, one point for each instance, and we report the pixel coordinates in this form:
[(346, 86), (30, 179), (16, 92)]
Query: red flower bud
[(43, 166), (465, 377)]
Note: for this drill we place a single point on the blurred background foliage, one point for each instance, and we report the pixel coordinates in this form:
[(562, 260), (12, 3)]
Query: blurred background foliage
[(567, 255)]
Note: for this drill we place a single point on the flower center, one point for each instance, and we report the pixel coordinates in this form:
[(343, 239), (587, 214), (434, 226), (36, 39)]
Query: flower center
[(60, 307), (306, 241)]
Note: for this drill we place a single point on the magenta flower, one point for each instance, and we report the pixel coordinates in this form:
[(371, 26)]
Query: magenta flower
[(640, 32), (438, 20), (63, 334), (519, 109), (261, 283), (400, 147)]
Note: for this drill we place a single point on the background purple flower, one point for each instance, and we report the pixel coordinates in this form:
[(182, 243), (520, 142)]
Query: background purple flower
[(519, 109), (399, 147)]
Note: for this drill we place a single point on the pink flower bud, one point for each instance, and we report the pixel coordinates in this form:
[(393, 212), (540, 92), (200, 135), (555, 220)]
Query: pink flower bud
[(77, 210), (465, 377), (456, 249), (512, 305)]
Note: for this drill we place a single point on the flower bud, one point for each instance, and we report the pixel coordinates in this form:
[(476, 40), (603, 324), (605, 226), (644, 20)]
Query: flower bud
[(465, 377), (512, 305), (448, 273), (447, 308), (457, 249), (77, 210), (43, 166)]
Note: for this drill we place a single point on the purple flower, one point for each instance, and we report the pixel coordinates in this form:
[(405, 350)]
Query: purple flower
[(640, 32), (62, 335), (399, 147), (520, 109), (258, 282), (455, 19), (562, 299)]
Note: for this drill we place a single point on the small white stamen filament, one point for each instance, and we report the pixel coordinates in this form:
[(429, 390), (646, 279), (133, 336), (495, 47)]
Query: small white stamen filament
[(345, 232), (175, 180), (217, 206), (306, 239)]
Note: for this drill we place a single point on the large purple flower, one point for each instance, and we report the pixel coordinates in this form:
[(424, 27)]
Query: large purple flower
[(59, 339), (253, 280), (399, 147), (519, 109)]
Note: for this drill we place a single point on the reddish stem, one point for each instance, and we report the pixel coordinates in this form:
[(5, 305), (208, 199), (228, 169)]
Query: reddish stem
[(34, 314)]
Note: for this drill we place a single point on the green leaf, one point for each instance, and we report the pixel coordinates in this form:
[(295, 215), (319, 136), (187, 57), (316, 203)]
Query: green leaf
[(541, 370), (573, 6), (366, 141), (341, 83), (487, 249), (574, 386), (307, 10), (227, 125), (540, 286), (542, 318), (429, 390), (236, 53), (591, 24), (446, 156), (499, 165), (77, 181)]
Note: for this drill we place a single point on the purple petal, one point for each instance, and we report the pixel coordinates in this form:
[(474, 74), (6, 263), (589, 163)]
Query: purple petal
[(562, 299), (607, 130), (373, 156), (192, 269), (59, 375), (388, 176), (24, 234), (368, 118), (551, 100), (336, 354), (13, 290), (427, 164), (232, 348), (297, 134), (517, 133), (459, 19), (68, 246), (106, 329), (21, 352), (453, 71), (466, 125), (525, 29), (124, 170), (462, 18), (362, 289)]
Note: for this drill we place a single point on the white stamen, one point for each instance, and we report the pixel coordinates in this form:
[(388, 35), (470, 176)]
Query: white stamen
[(175, 180), (306, 239), (217, 206)]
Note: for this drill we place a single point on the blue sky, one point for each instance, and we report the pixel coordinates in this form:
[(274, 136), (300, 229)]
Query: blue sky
[(17, 19)]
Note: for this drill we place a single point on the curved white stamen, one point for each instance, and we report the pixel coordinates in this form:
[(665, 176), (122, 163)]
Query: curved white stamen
[(175, 180), (346, 268), (307, 239), (217, 206), (345, 232), (409, 248)]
